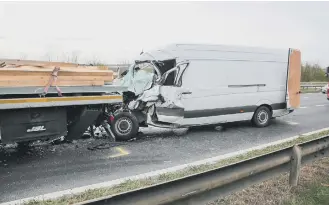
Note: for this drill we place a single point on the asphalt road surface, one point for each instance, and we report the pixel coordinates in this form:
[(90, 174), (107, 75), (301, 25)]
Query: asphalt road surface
[(44, 169)]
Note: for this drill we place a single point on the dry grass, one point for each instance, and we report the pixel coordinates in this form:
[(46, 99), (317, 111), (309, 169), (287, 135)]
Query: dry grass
[(134, 184), (276, 191)]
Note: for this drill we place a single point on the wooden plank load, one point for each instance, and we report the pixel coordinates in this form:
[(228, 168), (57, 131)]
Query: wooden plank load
[(16, 73)]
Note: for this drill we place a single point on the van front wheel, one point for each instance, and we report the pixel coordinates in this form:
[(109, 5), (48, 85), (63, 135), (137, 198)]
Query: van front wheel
[(262, 117), (124, 126)]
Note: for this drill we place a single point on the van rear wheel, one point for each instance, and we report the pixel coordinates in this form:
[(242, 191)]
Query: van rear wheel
[(262, 117)]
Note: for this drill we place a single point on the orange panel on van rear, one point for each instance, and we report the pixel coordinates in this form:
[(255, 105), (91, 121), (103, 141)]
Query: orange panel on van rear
[(294, 76)]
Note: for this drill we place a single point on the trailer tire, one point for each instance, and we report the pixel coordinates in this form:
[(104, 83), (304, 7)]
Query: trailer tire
[(262, 117), (124, 126)]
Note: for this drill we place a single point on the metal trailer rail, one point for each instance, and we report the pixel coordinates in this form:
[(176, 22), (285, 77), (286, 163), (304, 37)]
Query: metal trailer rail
[(17, 103), (208, 186), (64, 90), (97, 95)]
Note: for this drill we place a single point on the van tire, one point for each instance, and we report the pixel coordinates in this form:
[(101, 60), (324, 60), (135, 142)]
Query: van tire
[(124, 126), (262, 117)]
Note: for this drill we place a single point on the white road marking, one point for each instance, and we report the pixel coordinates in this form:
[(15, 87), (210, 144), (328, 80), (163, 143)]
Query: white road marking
[(292, 123), (320, 105), (306, 97), (302, 107)]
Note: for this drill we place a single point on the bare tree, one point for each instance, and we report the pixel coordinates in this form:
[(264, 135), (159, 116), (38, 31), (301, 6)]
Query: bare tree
[(48, 56), (75, 56), (125, 62), (95, 62), (23, 56)]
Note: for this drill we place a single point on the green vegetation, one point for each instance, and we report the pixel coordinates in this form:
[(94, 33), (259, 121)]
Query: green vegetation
[(314, 193), (134, 184), (313, 73)]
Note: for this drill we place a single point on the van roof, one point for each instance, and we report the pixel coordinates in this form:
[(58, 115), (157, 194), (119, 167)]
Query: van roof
[(216, 51), (224, 47)]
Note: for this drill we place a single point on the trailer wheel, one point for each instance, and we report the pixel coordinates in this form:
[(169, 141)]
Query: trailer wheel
[(124, 126), (262, 117)]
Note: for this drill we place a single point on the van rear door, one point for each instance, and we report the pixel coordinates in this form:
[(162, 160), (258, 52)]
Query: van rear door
[(293, 81)]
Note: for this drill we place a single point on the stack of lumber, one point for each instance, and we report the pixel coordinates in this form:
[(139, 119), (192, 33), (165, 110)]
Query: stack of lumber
[(22, 73)]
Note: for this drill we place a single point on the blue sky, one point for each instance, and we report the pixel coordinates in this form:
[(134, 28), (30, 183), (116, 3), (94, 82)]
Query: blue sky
[(114, 32)]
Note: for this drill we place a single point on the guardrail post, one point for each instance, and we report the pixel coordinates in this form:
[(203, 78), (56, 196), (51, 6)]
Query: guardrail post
[(296, 159)]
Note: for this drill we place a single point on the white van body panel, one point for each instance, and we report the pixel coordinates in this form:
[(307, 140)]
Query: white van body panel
[(225, 83)]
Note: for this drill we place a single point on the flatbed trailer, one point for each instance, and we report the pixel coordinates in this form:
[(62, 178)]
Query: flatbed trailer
[(27, 114)]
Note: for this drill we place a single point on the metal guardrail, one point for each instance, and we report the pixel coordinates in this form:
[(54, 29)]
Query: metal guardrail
[(210, 185), (314, 83), (311, 86), (116, 67), (307, 85)]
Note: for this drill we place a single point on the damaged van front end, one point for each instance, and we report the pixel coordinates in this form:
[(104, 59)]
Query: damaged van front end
[(154, 91)]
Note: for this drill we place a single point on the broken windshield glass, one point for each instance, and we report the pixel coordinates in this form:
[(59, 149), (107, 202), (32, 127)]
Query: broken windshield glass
[(139, 78)]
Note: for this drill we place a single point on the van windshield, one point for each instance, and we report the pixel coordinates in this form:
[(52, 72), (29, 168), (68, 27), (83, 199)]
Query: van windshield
[(139, 77), (146, 67)]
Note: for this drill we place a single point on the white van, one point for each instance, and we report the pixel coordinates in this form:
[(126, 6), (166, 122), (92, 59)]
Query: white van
[(197, 84)]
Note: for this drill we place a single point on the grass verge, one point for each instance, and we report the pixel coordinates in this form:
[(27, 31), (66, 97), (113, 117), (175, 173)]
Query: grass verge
[(312, 189), (135, 184)]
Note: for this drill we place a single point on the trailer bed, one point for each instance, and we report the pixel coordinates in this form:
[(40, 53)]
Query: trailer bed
[(19, 103), (30, 97), (64, 90)]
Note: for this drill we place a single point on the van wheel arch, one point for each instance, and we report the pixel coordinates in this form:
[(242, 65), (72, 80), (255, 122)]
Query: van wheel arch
[(268, 106)]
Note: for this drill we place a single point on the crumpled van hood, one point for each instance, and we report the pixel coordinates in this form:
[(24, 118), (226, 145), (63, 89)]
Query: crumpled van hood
[(141, 81)]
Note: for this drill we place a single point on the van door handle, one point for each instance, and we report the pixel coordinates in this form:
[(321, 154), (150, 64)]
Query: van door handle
[(186, 93)]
